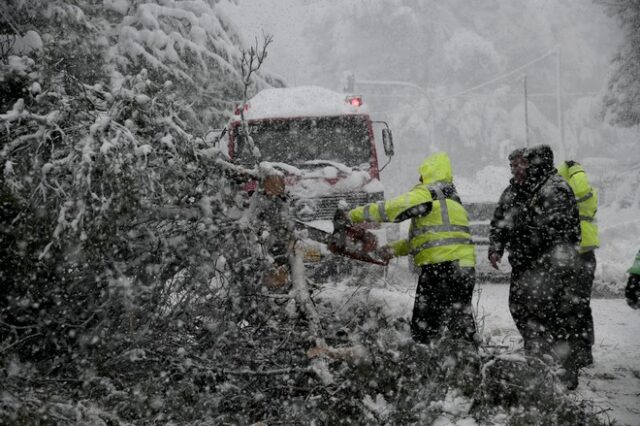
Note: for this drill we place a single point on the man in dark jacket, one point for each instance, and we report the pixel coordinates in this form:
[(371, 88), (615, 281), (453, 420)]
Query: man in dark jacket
[(509, 206), (550, 230), (509, 210)]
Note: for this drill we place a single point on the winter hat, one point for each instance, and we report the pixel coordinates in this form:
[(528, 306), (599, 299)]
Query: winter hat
[(518, 152), (540, 158)]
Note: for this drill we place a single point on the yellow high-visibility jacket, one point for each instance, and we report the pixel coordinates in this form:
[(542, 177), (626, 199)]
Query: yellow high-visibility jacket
[(439, 230), (587, 199)]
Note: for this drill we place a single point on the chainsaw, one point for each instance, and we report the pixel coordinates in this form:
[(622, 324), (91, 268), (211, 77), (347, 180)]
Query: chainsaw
[(347, 240)]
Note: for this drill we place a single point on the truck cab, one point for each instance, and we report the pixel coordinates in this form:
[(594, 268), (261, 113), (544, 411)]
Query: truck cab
[(323, 142)]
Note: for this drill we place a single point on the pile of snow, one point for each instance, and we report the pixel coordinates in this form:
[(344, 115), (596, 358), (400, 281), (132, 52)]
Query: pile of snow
[(25, 44), (315, 184), (304, 101), (326, 178)]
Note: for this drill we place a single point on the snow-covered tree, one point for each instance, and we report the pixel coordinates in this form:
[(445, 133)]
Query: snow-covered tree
[(622, 100), (116, 214)]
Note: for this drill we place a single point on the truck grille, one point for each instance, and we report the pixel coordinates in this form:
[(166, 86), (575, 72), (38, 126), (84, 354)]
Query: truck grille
[(318, 208)]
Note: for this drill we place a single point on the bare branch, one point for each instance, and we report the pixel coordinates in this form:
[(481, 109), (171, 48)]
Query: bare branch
[(7, 41), (252, 60)]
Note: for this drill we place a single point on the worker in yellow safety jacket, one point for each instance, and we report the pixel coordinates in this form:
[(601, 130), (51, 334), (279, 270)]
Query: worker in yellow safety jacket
[(440, 242), (587, 200)]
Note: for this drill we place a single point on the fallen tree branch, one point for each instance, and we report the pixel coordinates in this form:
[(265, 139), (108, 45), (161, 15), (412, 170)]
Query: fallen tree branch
[(2, 350), (273, 372)]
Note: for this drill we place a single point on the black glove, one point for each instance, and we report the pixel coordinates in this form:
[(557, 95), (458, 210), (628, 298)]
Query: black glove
[(385, 252), (340, 220), (632, 291)]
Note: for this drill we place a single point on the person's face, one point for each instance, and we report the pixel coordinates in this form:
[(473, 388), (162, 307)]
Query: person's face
[(519, 167)]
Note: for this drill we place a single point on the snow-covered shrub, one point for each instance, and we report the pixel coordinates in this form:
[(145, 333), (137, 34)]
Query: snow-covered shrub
[(526, 389)]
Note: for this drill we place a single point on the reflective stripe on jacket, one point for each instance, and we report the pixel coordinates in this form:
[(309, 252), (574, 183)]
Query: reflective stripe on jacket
[(587, 200), (438, 233)]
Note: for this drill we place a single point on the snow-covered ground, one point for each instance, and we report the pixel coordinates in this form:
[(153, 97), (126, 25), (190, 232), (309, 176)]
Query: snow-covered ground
[(612, 384)]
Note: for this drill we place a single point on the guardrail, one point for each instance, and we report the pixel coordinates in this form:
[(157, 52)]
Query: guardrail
[(480, 214)]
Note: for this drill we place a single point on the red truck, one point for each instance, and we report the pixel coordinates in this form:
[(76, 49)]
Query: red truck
[(322, 140)]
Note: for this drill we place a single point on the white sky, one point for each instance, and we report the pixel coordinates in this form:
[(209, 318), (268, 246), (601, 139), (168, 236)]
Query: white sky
[(284, 20)]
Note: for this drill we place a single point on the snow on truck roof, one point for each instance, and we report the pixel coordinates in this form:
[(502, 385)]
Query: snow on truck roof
[(303, 101)]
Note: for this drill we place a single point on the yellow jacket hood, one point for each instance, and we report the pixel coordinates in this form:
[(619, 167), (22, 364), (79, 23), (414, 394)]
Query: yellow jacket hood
[(436, 168)]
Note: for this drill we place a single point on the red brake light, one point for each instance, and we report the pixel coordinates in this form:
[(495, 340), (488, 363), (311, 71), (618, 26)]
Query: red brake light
[(240, 108), (354, 100)]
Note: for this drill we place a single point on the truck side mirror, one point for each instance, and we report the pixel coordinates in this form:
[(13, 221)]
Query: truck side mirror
[(387, 142)]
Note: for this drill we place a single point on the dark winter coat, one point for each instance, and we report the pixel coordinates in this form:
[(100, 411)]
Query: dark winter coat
[(551, 215), (511, 206)]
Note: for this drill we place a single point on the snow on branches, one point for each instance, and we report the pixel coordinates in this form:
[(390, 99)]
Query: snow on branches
[(111, 198)]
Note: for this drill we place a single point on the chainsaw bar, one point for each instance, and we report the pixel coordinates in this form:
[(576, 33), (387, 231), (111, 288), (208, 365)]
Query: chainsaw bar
[(355, 243)]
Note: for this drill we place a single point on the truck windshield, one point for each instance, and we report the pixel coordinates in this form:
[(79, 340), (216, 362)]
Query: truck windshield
[(340, 139)]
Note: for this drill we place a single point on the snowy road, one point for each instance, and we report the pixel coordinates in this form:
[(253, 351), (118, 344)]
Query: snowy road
[(612, 383)]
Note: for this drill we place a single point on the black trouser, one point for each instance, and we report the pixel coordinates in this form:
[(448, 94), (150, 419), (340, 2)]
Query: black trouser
[(519, 304), (632, 290), (547, 302), (530, 308), (443, 300), (584, 322)]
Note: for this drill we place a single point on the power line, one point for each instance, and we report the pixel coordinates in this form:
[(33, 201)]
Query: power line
[(479, 86), (501, 77)]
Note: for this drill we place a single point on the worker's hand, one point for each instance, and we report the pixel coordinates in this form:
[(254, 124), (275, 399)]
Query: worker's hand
[(385, 253), (632, 291), (341, 219), (495, 258)]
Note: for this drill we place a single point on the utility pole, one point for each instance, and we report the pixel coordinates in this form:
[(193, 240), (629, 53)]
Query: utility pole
[(559, 105), (526, 113)]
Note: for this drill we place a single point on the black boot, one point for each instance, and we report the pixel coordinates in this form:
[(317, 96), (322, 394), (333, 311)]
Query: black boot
[(570, 378)]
